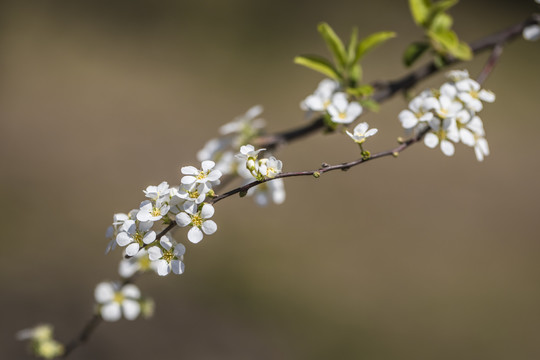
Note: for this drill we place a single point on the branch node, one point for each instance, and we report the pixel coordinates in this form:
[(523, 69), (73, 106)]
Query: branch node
[(316, 174)]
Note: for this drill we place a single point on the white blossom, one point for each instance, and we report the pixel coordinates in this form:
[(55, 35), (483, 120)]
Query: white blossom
[(470, 94), (416, 113), (322, 97), (152, 211), (361, 132), (444, 134), (208, 176), (134, 235), (269, 191), (167, 256), (115, 300), (270, 167), (341, 111), (199, 222), (156, 193), (138, 263)]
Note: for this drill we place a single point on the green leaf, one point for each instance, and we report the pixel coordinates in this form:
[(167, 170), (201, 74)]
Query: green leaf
[(334, 44), (462, 51), (318, 64), (369, 43), (370, 104), (413, 52), (355, 74), (440, 7), (441, 22), (351, 49), (361, 91), (420, 11), (443, 41)]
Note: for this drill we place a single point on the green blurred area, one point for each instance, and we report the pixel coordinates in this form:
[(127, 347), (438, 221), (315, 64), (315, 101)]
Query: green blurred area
[(420, 257)]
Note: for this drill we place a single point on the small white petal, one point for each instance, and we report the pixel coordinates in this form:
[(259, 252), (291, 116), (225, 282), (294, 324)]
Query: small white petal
[(154, 253), (447, 148), (131, 309), (131, 291), (149, 237), (123, 239), (104, 292), (111, 311), (408, 119), (177, 266), (195, 235), (207, 211), (132, 249), (162, 267), (431, 140), (209, 227), (183, 219)]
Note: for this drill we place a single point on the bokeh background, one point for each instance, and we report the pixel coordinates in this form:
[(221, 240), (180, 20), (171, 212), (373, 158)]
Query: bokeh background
[(420, 257)]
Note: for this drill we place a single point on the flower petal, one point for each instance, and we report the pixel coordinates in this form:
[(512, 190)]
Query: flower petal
[(195, 235), (209, 227)]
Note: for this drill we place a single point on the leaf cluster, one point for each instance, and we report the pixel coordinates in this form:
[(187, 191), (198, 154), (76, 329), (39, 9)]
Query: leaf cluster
[(345, 65), (437, 24)]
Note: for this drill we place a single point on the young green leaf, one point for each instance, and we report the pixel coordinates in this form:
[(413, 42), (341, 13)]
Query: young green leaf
[(369, 43), (355, 74), (420, 11), (334, 44), (361, 91), (443, 41), (413, 52), (439, 7), (441, 22), (351, 49), (462, 51), (318, 64)]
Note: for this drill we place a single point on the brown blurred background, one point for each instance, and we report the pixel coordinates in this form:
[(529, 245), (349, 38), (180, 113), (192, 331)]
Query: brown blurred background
[(423, 257)]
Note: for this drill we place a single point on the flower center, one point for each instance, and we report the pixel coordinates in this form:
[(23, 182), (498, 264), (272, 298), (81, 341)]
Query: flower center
[(155, 212), (196, 220), (168, 256), (201, 175), (138, 237), (194, 194), (118, 297), (342, 115)]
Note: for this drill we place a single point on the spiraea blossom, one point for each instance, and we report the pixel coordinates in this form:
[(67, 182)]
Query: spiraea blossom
[(361, 133), (449, 114), (342, 111), (167, 256), (42, 343), (532, 32), (322, 97), (199, 222), (208, 177), (259, 169), (140, 262), (115, 300), (134, 235)]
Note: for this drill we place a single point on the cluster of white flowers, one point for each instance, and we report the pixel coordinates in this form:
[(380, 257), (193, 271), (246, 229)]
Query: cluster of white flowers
[(234, 136), (253, 168), (450, 113), (185, 204), (42, 343), (532, 32), (328, 98)]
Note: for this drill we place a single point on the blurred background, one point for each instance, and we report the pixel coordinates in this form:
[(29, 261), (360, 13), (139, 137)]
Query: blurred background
[(420, 257)]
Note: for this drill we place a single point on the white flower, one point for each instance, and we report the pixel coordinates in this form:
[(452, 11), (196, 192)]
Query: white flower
[(115, 300), (481, 148), (208, 177), (248, 152), (531, 32), (157, 192), (193, 196), (416, 113), (443, 134), (134, 235), (199, 222), (321, 98), (150, 211), (457, 75), (361, 132), (140, 262), (341, 111), (270, 191), (270, 167), (168, 256), (471, 94), (247, 123), (446, 107)]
